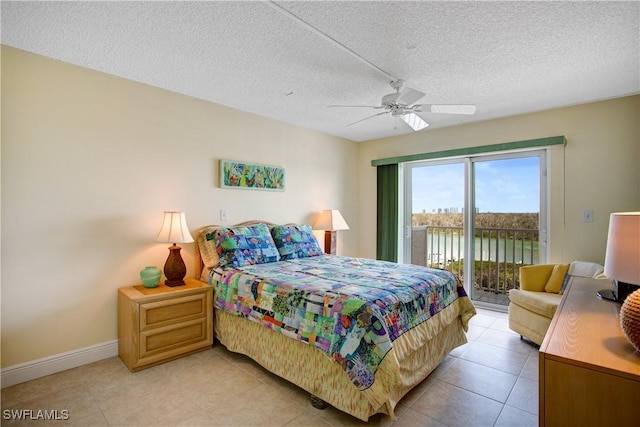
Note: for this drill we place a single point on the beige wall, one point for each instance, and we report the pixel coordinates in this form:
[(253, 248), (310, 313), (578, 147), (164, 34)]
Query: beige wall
[(90, 161), (599, 168)]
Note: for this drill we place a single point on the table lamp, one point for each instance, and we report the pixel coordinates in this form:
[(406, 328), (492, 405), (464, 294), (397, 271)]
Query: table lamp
[(330, 221), (174, 230), (622, 263), (622, 259)]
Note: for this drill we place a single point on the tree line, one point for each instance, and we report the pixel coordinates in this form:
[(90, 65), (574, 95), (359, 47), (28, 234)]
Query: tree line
[(527, 221)]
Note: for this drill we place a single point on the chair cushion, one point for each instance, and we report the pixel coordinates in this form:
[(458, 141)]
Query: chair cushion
[(542, 303), (554, 284)]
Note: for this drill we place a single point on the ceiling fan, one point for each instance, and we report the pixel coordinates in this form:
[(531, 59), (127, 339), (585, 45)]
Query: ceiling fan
[(401, 104)]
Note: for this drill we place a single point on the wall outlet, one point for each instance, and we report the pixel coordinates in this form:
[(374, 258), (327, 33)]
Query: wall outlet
[(587, 216), (224, 215)]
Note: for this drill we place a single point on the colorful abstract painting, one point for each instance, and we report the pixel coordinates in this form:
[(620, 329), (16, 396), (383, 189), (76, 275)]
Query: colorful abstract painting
[(234, 174)]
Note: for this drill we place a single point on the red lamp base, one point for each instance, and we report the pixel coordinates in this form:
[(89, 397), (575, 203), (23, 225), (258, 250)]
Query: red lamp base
[(174, 268)]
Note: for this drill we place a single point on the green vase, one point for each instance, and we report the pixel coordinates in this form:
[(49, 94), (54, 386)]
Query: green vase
[(150, 276)]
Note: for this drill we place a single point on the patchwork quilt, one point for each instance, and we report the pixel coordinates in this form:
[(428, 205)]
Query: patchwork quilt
[(350, 308)]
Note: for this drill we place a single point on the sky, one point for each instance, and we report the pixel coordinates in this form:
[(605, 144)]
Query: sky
[(509, 185)]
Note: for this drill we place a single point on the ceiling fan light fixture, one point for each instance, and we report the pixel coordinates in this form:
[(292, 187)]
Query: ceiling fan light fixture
[(414, 121)]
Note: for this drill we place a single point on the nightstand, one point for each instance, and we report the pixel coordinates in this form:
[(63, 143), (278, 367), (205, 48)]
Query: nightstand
[(159, 324)]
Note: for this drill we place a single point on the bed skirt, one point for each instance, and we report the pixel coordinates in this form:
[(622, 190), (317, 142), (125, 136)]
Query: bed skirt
[(405, 366)]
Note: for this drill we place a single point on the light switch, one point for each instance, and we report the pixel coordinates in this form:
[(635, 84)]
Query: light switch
[(224, 215), (587, 216)]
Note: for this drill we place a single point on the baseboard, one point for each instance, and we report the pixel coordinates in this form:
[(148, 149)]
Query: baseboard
[(28, 371)]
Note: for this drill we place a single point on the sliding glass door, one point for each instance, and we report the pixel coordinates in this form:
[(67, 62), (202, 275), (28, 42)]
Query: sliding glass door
[(480, 217), (435, 192)]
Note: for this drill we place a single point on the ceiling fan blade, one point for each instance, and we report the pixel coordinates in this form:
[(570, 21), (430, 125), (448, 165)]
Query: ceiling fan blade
[(357, 106), (408, 96), (413, 120), (367, 118), (449, 108)]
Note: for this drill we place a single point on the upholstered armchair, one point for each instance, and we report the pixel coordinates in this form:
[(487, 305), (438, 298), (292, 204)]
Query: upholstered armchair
[(532, 307)]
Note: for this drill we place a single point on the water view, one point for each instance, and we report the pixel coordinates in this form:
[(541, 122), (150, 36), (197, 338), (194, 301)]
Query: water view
[(500, 248)]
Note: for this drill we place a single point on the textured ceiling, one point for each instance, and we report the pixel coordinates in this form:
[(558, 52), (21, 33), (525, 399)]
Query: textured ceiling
[(506, 57)]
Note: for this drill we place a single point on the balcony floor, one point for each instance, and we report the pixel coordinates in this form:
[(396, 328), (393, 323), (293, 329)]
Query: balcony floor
[(490, 297)]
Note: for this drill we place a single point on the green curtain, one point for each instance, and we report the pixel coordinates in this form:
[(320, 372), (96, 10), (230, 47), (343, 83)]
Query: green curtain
[(387, 211)]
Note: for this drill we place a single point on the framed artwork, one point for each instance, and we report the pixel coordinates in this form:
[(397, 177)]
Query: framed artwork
[(234, 174)]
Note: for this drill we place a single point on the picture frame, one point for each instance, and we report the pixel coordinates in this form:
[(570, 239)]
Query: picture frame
[(251, 176)]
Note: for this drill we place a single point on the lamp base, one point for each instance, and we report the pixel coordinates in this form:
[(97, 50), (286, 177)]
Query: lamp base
[(607, 294), (620, 293), (330, 242), (176, 283), (174, 268)]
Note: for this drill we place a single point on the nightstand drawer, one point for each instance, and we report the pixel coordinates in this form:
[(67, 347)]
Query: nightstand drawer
[(176, 338), (170, 311)]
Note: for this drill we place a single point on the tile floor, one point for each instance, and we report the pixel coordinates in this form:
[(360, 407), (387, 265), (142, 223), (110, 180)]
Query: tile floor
[(491, 381)]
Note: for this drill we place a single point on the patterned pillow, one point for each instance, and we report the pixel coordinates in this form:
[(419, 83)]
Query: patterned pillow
[(207, 246), (295, 241), (239, 246)]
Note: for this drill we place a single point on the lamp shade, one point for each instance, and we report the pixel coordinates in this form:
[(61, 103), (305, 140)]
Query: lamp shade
[(330, 220), (174, 228), (622, 259)]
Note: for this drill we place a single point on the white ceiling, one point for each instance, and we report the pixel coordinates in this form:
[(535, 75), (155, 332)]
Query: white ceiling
[(506, 57)]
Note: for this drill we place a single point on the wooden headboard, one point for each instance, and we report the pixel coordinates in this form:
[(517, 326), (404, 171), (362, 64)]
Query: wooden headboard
[(206, 229)]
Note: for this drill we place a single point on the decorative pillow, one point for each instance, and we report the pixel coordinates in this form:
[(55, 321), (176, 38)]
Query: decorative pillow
[(295, 241), (239, 246), (554, 284), (207, 247)]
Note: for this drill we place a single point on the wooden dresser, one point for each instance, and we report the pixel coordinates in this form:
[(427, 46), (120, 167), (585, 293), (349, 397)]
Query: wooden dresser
[(589, 372)]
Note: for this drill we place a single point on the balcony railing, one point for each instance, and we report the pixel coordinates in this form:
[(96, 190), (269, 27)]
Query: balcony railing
[(499, 254)]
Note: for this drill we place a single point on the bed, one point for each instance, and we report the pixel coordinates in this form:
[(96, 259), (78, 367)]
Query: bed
[(355, 333)]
